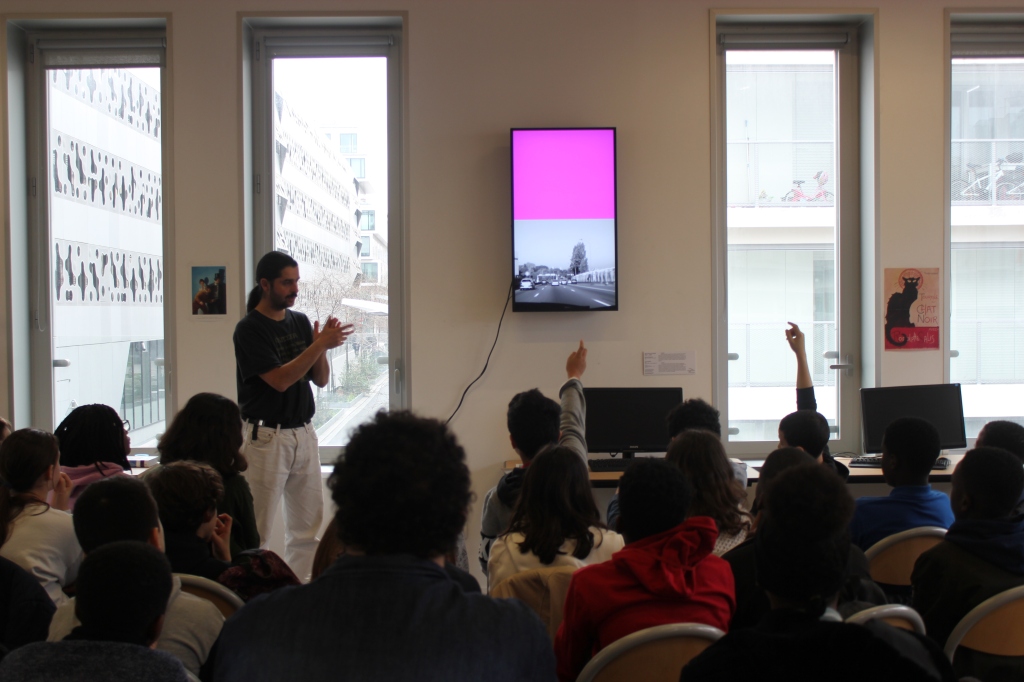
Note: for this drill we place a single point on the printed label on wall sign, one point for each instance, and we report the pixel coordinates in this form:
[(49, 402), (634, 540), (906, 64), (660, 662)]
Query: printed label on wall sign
[(912, 308), (675, 362)]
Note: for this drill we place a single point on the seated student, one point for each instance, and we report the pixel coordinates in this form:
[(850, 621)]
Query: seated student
[(208, 429), (195, 536), (805, 432), (692, 414), (37, 536), (1010, 437), (386, 610), (716, 492), (121, 508), (534, 422), (910, 447), (666, 573), (555, 523), (801, 554), (858, 592), (981, 555), (122, 593), (94, 444), (25, 608)]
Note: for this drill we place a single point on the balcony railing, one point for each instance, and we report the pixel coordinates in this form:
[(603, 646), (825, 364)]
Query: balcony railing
[(781, 173), (987, 172), (764, 358)]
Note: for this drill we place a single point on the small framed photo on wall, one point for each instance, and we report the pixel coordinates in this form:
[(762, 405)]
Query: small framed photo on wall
[(209, 296)]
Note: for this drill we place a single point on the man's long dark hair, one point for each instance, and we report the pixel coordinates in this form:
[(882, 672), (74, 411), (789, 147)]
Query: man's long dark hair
[(269, 268), (556, 504)]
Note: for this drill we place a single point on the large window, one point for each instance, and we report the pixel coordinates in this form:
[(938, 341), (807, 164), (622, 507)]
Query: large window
[(781, 225), (318, 99), (95, 116), (987, 222)]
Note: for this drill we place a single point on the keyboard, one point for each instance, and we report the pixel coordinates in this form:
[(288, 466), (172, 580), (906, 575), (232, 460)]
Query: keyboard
[(606, 465), (941, 464)]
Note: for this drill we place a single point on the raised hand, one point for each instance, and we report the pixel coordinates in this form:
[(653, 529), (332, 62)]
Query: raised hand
[(795, 338), (576, 365)]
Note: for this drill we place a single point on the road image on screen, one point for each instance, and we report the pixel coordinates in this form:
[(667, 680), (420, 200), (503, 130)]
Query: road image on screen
[(563, 219)]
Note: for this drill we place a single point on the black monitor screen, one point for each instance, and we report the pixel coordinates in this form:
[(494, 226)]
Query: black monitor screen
[(629, 419), (940, 404)]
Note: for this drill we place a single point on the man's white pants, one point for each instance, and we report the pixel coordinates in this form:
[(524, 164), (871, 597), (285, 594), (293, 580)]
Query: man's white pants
[(286, 462)]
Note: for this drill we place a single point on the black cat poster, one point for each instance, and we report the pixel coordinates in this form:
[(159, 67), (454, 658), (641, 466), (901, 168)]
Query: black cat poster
[(912, 308)]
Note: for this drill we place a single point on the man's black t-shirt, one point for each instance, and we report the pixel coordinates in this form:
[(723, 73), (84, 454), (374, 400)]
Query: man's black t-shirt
[(261, 344)]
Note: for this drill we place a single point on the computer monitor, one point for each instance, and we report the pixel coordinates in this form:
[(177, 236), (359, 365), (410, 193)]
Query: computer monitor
[(939, 404), (629, 420)]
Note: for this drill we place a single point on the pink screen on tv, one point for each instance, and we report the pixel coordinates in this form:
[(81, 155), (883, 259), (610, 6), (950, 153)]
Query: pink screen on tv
[(563, 174)]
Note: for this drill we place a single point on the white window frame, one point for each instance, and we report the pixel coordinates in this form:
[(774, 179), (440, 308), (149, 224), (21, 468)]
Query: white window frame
[(98, 45), (265, 38), (997, 33), (855, 255)]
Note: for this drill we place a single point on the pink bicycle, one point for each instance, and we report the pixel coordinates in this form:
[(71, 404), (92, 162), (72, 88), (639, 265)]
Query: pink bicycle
[(820, 194)]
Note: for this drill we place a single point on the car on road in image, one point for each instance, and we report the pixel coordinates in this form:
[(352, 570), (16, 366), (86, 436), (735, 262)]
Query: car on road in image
[(554, 282), (525, 283)]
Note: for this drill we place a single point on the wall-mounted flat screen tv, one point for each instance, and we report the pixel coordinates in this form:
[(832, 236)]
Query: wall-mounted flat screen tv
[(564, 219)]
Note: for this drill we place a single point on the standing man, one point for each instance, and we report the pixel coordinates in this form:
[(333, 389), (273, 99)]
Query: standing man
[(277, 354)]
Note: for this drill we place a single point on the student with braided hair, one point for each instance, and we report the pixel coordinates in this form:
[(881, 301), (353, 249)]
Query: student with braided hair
[(94, 445)]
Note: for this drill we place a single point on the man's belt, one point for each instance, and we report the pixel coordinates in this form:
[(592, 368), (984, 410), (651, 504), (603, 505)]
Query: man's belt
[(264, 423)]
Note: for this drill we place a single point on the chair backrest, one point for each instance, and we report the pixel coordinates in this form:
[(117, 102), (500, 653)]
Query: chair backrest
[(656, 654), (995, 626), (891, 560), (226, 601), (542, 589), (896, 615)]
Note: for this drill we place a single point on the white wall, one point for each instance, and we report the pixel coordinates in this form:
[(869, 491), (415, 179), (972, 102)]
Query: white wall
[(474, 70)]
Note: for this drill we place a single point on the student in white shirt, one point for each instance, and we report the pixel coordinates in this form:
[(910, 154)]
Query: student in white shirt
[(555, 522), (37, 536)]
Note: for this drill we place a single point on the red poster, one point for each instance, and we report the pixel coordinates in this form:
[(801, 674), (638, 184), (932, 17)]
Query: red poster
[(912, 308)]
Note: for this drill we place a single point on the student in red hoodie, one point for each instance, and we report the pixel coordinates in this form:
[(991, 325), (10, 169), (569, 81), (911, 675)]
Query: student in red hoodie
[(666, 573)]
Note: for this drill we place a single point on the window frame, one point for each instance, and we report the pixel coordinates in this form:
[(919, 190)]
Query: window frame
[(855, 209), (97, 45), (266, 38), (991, 33)]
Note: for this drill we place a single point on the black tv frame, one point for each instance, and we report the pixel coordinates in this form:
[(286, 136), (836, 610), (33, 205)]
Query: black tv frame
[(907, 401), (518, 307)]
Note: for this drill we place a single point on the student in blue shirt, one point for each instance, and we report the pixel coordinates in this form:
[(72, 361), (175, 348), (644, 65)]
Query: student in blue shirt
[(910, 447)]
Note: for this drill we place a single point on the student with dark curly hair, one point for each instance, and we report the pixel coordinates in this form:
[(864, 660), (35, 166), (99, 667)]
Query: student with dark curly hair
[(94, 445), (209, 430), (556, 521), (716, 492), (195, 536), (386, 609), (37, 536)]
